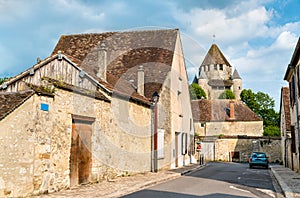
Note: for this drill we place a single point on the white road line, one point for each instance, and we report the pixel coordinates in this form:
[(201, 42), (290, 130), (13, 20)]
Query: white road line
[(268, 192), (235, 188)]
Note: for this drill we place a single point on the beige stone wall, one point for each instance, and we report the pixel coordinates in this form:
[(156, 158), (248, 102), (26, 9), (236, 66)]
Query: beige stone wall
[(38, 142), (254, 128), (223, 148), (17, 151)]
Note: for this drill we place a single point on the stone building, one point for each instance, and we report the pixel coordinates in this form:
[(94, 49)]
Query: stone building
[(285, 128), (215, 75), (101, 105), (227, 129), (292, 77)]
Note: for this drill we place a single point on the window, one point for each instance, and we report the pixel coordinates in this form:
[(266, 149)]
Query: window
[(215, 67), (202, 124), (207, 67), (184, 143), (160, 143), (293, 139), (221, 67), (292, 92)]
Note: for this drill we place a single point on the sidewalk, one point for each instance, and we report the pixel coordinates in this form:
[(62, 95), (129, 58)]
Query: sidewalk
[(288, 180), (123, 185)]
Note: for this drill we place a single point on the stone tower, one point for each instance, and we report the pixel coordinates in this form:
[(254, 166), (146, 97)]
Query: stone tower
[(215, 75), (237, 84)]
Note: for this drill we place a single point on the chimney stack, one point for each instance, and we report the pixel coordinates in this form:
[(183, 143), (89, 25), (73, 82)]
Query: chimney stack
[(102, 61), (140, 80), (231, 106)]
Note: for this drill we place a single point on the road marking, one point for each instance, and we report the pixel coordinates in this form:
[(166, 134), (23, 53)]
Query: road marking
[(268, 192), (235, 188)]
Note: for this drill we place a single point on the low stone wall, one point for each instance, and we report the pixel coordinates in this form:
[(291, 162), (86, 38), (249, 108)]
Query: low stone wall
[(239, 148)]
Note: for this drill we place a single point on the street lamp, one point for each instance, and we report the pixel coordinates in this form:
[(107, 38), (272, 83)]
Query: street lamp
[(154, 99)]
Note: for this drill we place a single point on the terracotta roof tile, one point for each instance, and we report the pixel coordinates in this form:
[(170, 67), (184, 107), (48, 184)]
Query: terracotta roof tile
[(215, 110), (11, 100), (285, 98), (215, 56), (125, 52)]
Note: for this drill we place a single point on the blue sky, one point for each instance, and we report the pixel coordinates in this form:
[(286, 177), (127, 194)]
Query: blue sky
[(258, 37)]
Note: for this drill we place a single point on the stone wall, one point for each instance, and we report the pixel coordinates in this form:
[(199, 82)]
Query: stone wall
[(254, 128), (224, 146), (37, 143)]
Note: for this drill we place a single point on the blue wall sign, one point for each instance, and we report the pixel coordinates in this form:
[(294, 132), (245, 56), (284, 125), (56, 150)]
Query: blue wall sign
[(44, 107)]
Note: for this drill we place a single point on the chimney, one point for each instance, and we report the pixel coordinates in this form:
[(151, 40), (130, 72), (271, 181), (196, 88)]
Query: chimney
[(102, 61), (231, 106), (140, 80)]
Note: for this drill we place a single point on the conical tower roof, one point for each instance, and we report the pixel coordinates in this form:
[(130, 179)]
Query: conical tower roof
[(215, 56), (195, 80), (236, 75), (202, 75)]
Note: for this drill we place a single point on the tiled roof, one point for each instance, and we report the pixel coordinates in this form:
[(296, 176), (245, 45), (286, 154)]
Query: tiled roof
[(11, 100), (215, 56), (216, 82), (153, 49), (215, 110), (202, 75), (236, 75), (285, 98)]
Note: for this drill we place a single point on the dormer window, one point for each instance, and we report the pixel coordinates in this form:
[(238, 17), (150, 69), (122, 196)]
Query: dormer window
[(215, 67)]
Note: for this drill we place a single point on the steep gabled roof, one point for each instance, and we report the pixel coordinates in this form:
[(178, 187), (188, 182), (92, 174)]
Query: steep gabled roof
[(202, 75), (154, 49), (285, 107), (236, 75), (11, 100), (215, 56), (215, 110)]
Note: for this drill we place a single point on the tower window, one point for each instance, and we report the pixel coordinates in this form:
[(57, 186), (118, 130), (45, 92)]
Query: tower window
[(221, 67), (207, 67), (215, 67)]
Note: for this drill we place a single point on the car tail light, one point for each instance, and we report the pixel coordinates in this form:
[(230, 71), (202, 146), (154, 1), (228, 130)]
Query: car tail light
[(250, 159)]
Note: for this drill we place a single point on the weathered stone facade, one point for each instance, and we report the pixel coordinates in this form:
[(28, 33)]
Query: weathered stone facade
[(38, 142), (239, 149)]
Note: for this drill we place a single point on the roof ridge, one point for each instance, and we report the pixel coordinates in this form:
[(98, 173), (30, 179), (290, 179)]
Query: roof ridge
[(236, 74), (114, 32), (215, 56)]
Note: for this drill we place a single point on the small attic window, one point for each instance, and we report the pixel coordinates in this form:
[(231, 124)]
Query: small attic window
[(221, 67), (215, 67)]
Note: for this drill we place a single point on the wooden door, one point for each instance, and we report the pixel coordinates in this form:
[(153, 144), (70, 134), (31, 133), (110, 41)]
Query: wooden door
[(80, 155)]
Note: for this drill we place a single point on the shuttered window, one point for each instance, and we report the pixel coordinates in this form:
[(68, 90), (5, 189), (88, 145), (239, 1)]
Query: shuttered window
[(160, 143)]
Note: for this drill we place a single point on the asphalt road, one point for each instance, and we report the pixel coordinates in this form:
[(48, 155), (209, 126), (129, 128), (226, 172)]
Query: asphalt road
[(216, 180)]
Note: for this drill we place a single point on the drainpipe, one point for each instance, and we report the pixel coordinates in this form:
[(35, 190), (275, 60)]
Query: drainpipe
[(154, 107)]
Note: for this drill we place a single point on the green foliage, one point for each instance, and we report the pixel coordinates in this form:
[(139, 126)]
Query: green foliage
[(196, 92), (271, 131), (263, 105), (2, 80), (227, 94)]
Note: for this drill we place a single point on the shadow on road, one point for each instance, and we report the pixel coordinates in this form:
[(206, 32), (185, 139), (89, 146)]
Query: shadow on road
[(157, 194)]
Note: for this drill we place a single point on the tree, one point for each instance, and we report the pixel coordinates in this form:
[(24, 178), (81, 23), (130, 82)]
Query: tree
[(196, 92), (271, 131), (263, 105), (2, 80), (227, 94)]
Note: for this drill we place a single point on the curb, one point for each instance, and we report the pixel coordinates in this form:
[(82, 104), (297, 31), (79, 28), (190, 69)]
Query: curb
[(193, 169), (285, 189)]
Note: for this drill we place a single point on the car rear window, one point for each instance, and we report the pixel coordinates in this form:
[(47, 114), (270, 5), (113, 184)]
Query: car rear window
[(259, 155)]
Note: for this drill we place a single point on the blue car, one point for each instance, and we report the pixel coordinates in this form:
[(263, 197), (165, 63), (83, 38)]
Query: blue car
[(258, 159)]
